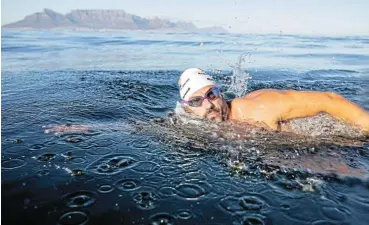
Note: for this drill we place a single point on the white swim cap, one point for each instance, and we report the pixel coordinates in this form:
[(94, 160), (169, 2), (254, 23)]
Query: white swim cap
[(192, 80)]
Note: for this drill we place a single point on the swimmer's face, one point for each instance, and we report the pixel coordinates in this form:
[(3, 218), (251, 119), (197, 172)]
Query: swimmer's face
[(209, 104)]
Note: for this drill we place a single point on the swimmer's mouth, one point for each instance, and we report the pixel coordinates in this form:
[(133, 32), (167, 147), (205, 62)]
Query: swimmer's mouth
[(213, 114)]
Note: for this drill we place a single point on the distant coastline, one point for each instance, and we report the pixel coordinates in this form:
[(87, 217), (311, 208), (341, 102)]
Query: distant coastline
[(103, 20)]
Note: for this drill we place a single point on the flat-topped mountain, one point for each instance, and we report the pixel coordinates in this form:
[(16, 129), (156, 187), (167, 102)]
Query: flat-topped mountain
[(103, 19)]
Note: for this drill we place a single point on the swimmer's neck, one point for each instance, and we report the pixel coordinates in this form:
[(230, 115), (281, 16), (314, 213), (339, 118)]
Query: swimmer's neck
[(229, 116)]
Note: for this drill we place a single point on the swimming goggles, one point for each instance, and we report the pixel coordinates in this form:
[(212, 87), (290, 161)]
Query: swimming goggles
[(211, 95)]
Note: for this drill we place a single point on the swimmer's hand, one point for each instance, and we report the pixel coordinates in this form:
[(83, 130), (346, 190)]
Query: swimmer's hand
[(68, 129)]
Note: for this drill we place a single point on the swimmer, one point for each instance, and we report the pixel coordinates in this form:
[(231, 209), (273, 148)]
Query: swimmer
[(266, 108)]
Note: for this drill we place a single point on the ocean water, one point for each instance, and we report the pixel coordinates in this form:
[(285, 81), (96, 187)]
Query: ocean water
[(130, 159)]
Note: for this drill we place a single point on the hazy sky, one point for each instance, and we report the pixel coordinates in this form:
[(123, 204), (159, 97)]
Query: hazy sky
[(331, 17)]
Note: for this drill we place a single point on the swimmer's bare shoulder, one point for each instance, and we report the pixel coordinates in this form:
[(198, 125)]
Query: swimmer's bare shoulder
[(259, 108), (270, 107)]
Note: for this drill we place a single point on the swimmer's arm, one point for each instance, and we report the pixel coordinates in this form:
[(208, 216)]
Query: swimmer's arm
[(306, 104)]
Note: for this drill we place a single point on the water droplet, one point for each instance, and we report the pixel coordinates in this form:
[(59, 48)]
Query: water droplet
[(162, 219), (145, 200), (47, 157), (12, 164), (112, 164), (77, 172), (285, 206), (73, 218), (79, 199), (73, 139)]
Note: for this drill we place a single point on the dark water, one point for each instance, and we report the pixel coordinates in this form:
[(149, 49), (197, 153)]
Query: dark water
[(137, 165)]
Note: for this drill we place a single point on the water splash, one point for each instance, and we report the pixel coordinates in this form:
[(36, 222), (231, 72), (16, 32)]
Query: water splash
[(239, 79)]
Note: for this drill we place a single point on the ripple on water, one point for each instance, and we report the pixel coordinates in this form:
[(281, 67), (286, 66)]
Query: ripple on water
[(184, 214), (172, 170), (74, 218), (145, 200), (140, 144), (12, 164), (146, 167), (162, 219), (80, 199), (195, 175), (15, 149), (77, 160), (101, 142), (36, 147), (246, 203), (106, 188), (112, 164), (73, 139), (191, 191), (99, 151), (128, 184), (251, 203), (167, 191)]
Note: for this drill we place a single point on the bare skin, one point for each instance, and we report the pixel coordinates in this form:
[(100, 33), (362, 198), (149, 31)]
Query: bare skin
[(268, 107)]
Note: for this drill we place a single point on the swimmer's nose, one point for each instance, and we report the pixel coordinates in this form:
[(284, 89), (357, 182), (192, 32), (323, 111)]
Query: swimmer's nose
[(208, 104)]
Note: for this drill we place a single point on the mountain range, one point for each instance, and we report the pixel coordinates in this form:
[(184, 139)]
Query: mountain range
[(103, 20)]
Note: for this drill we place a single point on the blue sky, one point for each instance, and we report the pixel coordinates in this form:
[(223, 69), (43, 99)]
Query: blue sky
[(328, 17)]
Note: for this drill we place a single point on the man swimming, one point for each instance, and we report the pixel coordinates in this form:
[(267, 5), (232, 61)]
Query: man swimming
[(267, 108), (264, 108)]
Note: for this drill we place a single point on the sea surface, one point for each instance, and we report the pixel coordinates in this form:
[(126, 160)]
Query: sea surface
[(124, 153)]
